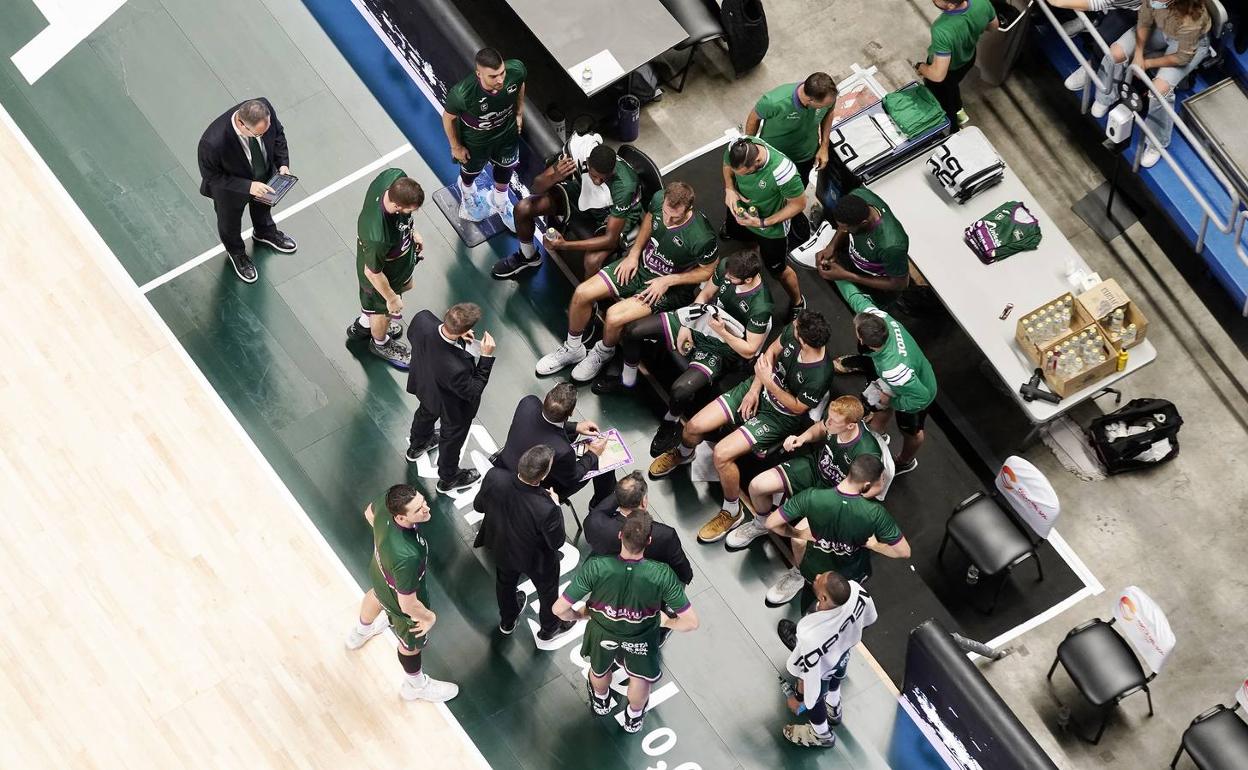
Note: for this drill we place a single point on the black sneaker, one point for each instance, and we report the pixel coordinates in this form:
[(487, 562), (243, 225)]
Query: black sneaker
[(664, 635), (797, 309), (632, 724), (244, 268), (834, 712), (278, 241), (900, 468), (513, 266), (564, 627), (392, 351), (609, 385), (414, 453), (462, 480), (506, 628), (667, 437), (600, 706), (358, 331), (787, 631)]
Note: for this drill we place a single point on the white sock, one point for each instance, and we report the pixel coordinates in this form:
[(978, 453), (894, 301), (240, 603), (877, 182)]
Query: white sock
[(498, 197), (732, 506), (669, 417), (384, 339), (363, 628), (466, 188), (365, 321), (528, 249), (628, 375), (418, 680), (576, 340), (633, 713), (821, 729), (605, 350), (685, 451)]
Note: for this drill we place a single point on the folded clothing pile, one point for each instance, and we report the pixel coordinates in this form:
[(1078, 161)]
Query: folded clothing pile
[(914, 110), (1005, 231), (966, 165)]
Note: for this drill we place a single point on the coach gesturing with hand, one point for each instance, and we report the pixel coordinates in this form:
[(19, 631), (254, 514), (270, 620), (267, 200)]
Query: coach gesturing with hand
[(238, 153)]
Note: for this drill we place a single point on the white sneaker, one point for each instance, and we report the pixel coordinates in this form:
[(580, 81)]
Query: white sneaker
[(783, 590), (592, 363), (505, 209), (433, 690), (741, 537), (1099, 110), (473, 206), (1150, 157), (356, 640), (1077, 80), (564, 356)]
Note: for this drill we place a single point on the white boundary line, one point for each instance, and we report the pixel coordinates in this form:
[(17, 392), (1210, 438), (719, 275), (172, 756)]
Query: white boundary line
[(125, 284), (729, 135), (311, 200)]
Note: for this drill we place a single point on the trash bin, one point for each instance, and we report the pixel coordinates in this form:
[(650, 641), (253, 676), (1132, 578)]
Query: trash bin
[(628, 118), (999, 48)]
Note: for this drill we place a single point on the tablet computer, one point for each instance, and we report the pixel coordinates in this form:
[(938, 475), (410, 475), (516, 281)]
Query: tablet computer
[(281, 184)]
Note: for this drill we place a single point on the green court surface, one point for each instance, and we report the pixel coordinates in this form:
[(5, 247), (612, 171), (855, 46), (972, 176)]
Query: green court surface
[(118, 119)]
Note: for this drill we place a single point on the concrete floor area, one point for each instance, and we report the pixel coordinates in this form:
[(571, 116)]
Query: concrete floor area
[(1173, 531)]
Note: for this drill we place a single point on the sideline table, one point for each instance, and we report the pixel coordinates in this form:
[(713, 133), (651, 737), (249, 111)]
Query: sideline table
[(975, 293), (636, 30)]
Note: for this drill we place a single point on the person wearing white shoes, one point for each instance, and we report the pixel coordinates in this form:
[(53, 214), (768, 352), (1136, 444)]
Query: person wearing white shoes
[(483, 116), (1118, 16), (821, 643), (675, 251), (1170, 37), (397, 571), (951, 53)]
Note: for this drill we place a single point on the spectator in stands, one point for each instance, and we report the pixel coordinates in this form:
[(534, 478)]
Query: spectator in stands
[(763, 192), (789, 380), (843, 526), (951, 54), (712, 347), (1171, 37), (607, 196), (905, 381), (482, 120), (603, 525), (1117, 16), (821, 643), (675, 250), (870, 247), (795, 119), (840, 438)]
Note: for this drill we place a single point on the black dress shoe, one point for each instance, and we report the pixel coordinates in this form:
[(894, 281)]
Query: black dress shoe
[(244, 268), (462, 480), (414, 453), (609, 385), (278, 241), (559, 630)]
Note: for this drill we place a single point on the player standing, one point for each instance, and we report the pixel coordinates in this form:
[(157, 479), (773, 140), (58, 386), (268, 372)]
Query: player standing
[(482, 118), (398, 568), (623, 595)]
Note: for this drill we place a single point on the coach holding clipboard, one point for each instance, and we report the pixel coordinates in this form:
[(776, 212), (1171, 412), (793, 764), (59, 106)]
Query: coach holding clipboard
[(238, 153)]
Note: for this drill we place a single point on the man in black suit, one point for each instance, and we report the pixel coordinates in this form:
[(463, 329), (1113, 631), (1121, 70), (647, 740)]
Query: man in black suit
[(603, 524), (448, 378), (547, 422), (523, 528), (238, 153)]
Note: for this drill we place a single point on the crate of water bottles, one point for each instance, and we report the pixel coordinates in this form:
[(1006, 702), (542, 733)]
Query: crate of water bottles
[(1043, 327), (1119, 318), (1063, 340)]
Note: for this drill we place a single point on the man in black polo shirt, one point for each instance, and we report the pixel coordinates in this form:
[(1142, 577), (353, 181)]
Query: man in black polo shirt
[(603, 524)]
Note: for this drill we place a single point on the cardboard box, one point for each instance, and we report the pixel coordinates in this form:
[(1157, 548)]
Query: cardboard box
[(1081, 320), (1064, 386), (1103, 299)]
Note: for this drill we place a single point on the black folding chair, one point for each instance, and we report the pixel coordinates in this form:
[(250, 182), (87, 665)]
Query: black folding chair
[(1216, 740)]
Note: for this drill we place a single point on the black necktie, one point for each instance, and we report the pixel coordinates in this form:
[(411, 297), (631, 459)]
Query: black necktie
[(258, 164)]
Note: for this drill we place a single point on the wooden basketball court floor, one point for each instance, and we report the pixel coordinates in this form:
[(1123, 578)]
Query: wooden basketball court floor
[(184, 457)]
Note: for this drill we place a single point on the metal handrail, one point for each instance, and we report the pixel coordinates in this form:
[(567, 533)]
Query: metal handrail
[(1231, 221)]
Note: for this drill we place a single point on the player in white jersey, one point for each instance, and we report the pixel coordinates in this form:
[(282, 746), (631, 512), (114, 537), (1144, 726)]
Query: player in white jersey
[(821, 643)]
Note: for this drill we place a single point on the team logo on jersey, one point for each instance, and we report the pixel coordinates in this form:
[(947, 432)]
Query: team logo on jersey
[(762, 183), (608, 644), (835, 547), (511, 89), (677, 241)]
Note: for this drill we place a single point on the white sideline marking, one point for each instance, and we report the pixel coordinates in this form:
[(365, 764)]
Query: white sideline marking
[(311, 200), (69, 23), (125, 284), (728, 136)]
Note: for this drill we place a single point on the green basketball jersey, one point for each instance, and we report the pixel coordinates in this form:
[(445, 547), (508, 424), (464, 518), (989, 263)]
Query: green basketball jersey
[(900, 363), (956, 33), (624, 597), (383, 241), (484, 116), (787, 125), (834, 458), (679, 249), (770, 187), (400, 559), (752, 307), (884, 249), (842, 524), (807, 382)]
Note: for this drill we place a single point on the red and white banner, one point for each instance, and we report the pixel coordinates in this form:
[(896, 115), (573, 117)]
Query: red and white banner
[(1029, 493), (1145, 627)]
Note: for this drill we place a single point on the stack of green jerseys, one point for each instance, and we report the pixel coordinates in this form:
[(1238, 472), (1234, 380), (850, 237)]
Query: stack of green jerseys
[(1005, 231), (914, 110)]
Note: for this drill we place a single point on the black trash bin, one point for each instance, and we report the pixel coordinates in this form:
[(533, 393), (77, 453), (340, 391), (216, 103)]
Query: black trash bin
[(628, 118)]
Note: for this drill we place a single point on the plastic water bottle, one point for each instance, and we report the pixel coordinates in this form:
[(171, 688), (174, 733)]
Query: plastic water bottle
[(587, 76), (551, 233), (1128, 336), (1116, 319)]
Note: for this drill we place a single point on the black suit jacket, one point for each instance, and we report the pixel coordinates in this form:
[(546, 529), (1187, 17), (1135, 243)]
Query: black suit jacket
[(223, 166), (523, 527), (602, 532), (443, 375), (530, 428)]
